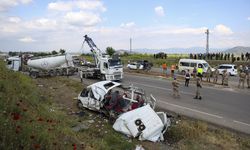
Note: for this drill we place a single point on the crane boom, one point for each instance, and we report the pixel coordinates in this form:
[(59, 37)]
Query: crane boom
[(97, 53)]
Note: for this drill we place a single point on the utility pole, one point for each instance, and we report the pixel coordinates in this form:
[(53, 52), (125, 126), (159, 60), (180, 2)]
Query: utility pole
[(130, 42), (207, 45)]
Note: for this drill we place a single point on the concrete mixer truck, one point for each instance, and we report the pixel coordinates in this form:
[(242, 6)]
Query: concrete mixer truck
[(49, 65)]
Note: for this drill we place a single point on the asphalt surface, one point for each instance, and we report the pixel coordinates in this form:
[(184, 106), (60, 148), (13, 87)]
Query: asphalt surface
[(225, 106)]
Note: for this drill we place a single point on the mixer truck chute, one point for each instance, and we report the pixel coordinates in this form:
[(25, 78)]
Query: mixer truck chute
[(106, 68)]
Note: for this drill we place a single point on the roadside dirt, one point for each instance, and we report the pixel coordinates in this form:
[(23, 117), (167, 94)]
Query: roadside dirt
[(60, 91)]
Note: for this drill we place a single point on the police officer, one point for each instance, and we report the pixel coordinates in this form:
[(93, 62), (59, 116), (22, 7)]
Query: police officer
[(187, 78), (198, 87), (216, 75), (225, 78), (200, 71), (248, 78), (209, 72), (242, 76), (81, 75), (175, 85), (194, 72)]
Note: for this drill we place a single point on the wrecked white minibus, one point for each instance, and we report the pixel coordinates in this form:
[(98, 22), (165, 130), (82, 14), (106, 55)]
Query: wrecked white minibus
[(128, 105)]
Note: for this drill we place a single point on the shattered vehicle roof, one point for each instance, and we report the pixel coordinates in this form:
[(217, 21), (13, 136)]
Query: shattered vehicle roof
[(99, 89)]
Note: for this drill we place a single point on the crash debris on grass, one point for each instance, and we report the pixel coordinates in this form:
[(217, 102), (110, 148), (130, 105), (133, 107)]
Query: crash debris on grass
[(128, 107)]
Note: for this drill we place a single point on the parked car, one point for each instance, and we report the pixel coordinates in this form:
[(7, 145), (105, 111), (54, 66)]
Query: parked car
[(140, 64), (231, 69), (135, 65)]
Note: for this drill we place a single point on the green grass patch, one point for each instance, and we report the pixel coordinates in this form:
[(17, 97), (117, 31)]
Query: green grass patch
[(30, 119)]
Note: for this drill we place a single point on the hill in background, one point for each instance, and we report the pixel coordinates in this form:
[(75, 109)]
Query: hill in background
[(238, 50)]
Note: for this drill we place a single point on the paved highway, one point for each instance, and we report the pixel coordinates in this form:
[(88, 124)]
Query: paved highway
[(228, 107)]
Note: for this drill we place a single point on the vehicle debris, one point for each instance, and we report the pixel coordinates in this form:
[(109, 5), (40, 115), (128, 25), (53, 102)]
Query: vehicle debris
[(129, 107), (144, 123), (113, 98)]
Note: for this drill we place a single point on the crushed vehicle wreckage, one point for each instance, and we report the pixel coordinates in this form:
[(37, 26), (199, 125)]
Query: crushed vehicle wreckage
[(132, 110)]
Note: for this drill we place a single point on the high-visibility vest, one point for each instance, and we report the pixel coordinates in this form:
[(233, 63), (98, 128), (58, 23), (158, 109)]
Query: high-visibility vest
[(200, 70)]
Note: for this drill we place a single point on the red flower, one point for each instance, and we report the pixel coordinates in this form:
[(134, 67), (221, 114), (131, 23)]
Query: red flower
[(39, 119), (16, 116), (37, 146), (32, 137), (17, 131), (74, 146)]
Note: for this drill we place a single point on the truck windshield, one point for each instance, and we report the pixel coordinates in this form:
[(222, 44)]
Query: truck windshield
[(115, 62)]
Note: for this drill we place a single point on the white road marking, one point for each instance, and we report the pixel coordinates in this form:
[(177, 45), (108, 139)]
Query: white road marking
[(241, 123), (190, 109), (168, 89)]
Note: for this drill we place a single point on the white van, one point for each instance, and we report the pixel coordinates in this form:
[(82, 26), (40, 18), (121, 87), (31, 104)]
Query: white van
[(231, 69), (189, 64)]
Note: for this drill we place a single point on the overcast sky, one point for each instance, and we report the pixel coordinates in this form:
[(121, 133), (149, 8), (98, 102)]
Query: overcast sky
[(44, 25)]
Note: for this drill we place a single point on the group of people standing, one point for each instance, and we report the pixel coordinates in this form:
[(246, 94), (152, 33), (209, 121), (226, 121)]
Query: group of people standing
[(197, 74)]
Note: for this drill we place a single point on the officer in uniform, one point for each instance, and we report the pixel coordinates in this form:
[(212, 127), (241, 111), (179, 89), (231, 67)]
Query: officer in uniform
[(81, 75), (198, 87), (248, 78), (175, 85), (216, 75), (200, 71), (225, 78), (242, 76), (209, 71)]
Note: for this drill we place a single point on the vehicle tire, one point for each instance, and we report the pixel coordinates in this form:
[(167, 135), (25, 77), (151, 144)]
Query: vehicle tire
[(33, 75), (103, 78), (52, 73), (138, 122), (79, 104), (142, 127), (230, 74)]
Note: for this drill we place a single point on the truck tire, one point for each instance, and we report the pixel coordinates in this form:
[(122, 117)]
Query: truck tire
[(52, 73), (33, 75)]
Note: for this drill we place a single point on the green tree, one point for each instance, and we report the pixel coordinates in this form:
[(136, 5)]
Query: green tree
[(54, 52), (110, 51), (62, 51)]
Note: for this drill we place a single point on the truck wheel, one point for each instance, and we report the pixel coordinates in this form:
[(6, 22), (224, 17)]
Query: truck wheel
[(52, 73), (103, 78), (33, 75), (183, 72)]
